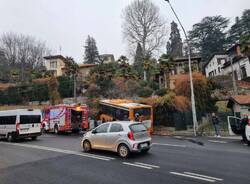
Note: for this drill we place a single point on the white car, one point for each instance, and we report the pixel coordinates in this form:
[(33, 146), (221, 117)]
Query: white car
[(248, 131)]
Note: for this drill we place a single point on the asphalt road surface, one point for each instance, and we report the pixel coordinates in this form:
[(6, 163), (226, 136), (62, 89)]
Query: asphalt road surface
[(59, 159)]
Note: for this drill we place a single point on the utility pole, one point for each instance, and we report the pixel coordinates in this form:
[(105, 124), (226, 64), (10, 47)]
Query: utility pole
[(233, 77), (75, 97), (195, 123)]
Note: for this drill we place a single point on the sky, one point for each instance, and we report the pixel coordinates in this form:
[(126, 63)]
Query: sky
[(66, 24)]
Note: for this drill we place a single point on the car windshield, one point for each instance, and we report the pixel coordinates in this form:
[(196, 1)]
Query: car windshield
[(137, 128)]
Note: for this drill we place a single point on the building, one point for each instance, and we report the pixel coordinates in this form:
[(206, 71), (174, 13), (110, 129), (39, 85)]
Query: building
[(55, 64), (84, 70), (225, 63), (239, 104), (215, 64), (107, 58), (237, 63), (180, 65)]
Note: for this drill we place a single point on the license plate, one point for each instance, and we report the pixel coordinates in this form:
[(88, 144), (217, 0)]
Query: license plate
[(144, 145), (24, 129)]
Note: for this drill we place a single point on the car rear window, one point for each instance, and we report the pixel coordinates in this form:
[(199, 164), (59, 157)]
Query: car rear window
[(137, 128), (30, 119)]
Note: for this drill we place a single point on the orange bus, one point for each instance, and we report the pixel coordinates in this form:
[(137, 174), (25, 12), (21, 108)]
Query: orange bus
[(126, 110)]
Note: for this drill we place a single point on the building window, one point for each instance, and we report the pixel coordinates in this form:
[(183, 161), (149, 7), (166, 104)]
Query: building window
[(219, 70), (53, 64), (244, 72)]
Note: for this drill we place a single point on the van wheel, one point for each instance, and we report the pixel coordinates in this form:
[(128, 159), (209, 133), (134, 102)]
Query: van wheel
[(86, 146), (56, 131), (123, 151), (10, 138), (34, 138), (248, 142), (144, 151)]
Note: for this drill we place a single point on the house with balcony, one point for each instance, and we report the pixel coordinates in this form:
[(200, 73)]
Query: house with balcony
[(180, 65), (55, 64), (214, 66), (226, 63), (237, 63)]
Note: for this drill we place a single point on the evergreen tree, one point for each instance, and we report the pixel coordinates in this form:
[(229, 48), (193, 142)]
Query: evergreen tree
[(174, 47), (138, 60), (54, 95), (209, 36), (240, 28), (91, 51), (71, 67)]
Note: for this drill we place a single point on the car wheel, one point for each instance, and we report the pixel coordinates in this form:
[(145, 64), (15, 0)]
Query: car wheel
[(123, 151), (86, 146), (56, 131), (34, 138)]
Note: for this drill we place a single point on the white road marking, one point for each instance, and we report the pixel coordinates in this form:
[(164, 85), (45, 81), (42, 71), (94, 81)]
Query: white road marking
[(137, 165), (221, 142), (173, 145), (61, 151), (191, 176), (201, 175), (148, 165)]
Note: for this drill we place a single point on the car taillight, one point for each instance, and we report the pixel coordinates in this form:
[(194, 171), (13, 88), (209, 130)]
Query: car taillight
[(131, 136), (18, 126)]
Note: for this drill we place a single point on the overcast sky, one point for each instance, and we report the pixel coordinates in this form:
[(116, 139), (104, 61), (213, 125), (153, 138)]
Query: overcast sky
[(67, 23)]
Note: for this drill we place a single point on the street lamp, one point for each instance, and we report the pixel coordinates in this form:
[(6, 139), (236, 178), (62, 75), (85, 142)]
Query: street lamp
[(195, 124)]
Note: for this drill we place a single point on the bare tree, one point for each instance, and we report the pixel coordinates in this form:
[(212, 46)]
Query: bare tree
[(23, 52), (144, 25)]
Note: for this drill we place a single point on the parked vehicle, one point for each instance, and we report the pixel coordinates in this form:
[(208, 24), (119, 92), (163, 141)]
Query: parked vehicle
[(20, 123), (65, 118), (122, 137), (248, 131), (126, 110)]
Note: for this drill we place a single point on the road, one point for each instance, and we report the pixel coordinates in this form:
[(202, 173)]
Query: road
[(59, 159)]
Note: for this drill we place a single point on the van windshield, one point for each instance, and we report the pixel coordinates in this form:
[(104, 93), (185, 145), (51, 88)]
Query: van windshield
[(30, 119)]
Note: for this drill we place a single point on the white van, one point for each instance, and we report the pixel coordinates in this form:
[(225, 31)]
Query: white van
[(20, 123), (248, 131)]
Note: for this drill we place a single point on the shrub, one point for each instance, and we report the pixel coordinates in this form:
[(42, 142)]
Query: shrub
[(145, 92), (161, 92)]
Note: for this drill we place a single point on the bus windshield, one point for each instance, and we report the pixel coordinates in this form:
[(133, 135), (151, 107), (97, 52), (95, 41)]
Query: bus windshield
[(146, 112), (30, 119)]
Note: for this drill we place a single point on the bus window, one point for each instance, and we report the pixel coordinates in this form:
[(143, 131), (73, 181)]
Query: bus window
[(121, 114)]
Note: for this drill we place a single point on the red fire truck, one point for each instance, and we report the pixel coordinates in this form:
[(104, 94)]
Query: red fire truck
[(65, 118)]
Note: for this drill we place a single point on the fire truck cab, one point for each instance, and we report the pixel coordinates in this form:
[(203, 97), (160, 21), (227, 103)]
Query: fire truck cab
[(65, 118)]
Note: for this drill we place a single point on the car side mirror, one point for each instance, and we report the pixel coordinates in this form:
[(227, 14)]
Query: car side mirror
[(94, 131)]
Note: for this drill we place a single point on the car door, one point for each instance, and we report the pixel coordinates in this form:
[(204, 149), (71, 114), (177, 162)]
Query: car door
[(99, 135), (114, 135)]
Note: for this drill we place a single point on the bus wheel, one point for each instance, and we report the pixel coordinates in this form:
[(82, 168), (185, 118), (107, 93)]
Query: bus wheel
[(56, 131), (10, 138)]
